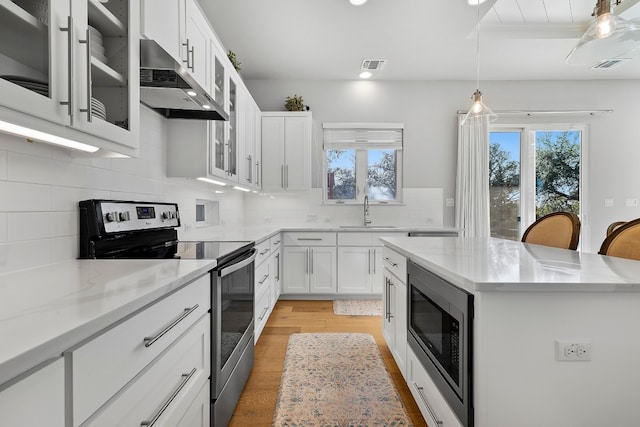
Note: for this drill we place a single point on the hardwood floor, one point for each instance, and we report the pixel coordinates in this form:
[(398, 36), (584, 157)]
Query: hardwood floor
[(258, 400)]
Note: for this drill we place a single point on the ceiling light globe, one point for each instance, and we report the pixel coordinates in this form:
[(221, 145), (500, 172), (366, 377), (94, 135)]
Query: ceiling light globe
[(475, 2), (364, 75), (357, 2), (605, 25)]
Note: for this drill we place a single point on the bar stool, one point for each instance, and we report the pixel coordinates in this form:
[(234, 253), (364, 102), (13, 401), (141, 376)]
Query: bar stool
[(557, 229), (624, 241)]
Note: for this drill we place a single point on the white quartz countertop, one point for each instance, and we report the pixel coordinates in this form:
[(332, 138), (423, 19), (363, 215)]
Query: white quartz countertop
[(46, 310), (502, 265)]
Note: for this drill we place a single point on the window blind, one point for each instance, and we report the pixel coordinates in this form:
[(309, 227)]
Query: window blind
[(387, 136)]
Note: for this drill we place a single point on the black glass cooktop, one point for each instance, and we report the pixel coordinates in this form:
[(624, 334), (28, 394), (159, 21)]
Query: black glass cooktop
[(218, 250)]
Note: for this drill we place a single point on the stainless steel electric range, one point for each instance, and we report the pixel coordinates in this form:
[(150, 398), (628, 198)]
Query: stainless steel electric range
[(144, 230)]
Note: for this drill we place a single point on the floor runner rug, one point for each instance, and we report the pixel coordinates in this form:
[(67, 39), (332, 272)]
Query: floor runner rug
[(337, 380), (364, 307)]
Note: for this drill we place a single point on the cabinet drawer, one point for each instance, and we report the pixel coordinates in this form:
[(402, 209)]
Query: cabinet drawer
[(263, 251), (276, 242), (433, 407), (262, 278), (174, 379), (309, 239), (262, 310), (395, 263), (104, 365), (37, 400)]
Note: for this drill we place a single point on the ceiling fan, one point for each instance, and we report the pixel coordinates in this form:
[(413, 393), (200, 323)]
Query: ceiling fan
[(606, 38)]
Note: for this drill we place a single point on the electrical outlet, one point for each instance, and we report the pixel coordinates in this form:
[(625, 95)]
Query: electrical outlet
[(573, 350), (449, 202), (312, 218), (632, 201)]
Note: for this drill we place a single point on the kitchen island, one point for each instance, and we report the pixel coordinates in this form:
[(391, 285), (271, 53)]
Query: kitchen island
[(527, 298)]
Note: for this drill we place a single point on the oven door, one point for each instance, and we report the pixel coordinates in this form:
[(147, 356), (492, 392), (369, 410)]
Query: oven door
[(232, 316)]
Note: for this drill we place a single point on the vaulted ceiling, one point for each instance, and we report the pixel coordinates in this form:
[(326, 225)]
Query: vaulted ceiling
[(421, 39)]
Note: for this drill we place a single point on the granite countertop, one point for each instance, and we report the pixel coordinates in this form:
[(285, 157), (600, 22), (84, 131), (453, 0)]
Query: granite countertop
[(490, 264), (45, 311)]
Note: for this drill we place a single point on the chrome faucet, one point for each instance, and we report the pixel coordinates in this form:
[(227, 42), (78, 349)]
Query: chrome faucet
[(367, 221)]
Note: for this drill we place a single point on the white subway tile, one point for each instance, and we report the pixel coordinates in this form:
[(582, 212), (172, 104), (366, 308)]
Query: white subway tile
[(3, 228), (67, 198), (21, 255), (21, 197), (38, 170), (29, 226), (64, 248), (3, 165)]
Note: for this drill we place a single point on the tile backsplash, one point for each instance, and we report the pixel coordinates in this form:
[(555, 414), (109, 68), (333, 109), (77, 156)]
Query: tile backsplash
[(40, 186)]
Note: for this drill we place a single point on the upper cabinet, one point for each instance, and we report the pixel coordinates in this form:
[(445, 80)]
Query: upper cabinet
[(286, 151), (71, 69)]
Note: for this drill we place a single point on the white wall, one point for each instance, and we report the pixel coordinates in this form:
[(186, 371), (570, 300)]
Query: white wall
[(40, 186), (428, 110)]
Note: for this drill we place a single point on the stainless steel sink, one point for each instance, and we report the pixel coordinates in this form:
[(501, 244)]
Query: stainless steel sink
[(368, 227)]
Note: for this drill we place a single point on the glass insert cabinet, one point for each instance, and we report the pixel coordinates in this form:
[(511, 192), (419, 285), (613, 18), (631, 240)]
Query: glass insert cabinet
[(73, 64)]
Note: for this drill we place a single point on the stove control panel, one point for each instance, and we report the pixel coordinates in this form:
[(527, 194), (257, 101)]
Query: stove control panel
[(132, 216)]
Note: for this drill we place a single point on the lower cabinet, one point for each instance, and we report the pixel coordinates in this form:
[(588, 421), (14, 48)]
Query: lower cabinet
[(310, 270), (150, 367), (394, 323), (359, 270), (433, 407), (36, 400), (267, 282)]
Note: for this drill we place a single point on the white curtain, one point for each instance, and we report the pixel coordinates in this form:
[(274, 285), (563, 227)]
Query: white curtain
[(472, 178)]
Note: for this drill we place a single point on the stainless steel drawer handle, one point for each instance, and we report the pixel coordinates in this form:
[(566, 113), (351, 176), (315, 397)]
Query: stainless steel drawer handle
[(265, 251), (393, 264), (167, 402), (264, 313), (310, 238), (426, 402), (148, 341), (266, 276)]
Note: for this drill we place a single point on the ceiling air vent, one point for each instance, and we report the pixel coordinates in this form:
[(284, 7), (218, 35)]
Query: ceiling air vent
[(610, 63), (373, 64)]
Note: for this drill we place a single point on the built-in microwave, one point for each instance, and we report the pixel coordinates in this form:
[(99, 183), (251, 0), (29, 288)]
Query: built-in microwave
[(440, 317)]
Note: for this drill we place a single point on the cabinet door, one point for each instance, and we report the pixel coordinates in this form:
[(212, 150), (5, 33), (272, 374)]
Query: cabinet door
[(399, 301), (297, 155), (232, 133), (163, 21), (354, 270), (296, 270), (246, 138), (272, 153), (198, 414), (37, 400), (106, 62), (198, 35), (323, 270), (34, 60)]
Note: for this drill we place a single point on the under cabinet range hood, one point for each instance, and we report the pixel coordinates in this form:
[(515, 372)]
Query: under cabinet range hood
[(167, 87)]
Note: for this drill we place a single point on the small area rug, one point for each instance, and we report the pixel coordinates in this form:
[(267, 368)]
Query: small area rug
[(337, 380), (357, 307)]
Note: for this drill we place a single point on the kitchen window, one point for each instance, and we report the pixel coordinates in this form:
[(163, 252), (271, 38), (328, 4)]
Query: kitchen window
[(533, 171), (362, 159)]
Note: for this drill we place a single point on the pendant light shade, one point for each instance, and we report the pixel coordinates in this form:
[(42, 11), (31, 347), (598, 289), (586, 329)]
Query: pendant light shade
[(608, 37), (478, 108)]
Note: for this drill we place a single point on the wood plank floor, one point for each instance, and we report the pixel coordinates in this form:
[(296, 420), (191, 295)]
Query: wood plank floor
[(258, 400)]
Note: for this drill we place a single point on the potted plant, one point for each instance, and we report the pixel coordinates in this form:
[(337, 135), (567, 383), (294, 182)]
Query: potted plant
[(234, 60), (294, 103)]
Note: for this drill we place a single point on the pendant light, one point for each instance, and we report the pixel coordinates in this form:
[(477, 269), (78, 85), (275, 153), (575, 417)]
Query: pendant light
[(608, 37), (478, 108)]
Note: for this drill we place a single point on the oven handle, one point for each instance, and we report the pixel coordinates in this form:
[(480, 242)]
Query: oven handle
[(237, 266)]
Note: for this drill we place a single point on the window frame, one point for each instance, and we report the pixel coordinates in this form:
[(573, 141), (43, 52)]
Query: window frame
[(362, 165), (528, 164)]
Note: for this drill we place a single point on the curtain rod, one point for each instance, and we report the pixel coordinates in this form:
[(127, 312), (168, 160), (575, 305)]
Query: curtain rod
[(543, 112)]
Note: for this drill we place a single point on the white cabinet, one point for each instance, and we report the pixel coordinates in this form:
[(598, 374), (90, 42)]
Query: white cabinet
[(249, 140), (360, 262), (137, 363), (433, 407), (267, 281), (37, 400), (71, 69), (309, 263), (394, 324), (180, 27), (286, 151)]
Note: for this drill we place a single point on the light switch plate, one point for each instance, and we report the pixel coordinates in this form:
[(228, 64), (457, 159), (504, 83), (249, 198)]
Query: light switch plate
[(608, 202)]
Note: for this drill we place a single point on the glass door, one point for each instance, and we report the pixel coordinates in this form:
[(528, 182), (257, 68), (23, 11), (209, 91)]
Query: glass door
[(35, 71), (218, 146), (106, 67), (232, 160)]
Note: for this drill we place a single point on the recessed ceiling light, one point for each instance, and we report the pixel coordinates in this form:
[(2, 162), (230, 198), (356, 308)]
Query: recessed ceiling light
[(475, 2), (364, 75), (357, 2)]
